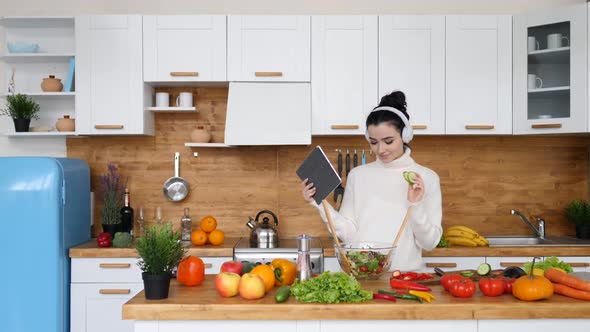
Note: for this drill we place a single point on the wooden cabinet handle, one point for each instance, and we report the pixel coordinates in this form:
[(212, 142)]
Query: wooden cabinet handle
[(184, 73), (268, 73), (480, 127), (208, 265), (419, 126), (108, 127), (441, 264), (579, 264), (114, 266), (507, 264), (114, 291), (546, 126), (344, 126)]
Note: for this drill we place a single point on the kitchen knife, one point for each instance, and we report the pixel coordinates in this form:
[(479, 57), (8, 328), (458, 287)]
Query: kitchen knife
[(347, 163), (339, 191), (355, 159), (439, 271), (363, 158)]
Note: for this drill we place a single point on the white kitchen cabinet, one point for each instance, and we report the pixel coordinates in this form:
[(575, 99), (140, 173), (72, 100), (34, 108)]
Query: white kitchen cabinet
[(412, 59), (99, 288), (556, 63), (56, 50), (268, 48), (518, 325), (109, 83), (184, 48), (450, 263), (343, 73), (478, 74)]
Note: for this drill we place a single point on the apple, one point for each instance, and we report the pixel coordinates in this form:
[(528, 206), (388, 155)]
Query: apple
[(226, 284), (251, 287), (232, 266)]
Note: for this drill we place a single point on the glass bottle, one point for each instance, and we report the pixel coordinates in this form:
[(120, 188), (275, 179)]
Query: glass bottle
[(303, 260), (158, 216), (127, 215), (187, 226)]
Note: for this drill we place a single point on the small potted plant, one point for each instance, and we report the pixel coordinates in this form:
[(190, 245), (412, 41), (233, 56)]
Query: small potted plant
[(112, 189), (578, 213), (21, 109), (161, 250)]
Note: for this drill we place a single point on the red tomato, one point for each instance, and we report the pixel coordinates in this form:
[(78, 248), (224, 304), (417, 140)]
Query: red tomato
[(448, 279), (491, 287), (191, 271), (508, 283), (464, 287)]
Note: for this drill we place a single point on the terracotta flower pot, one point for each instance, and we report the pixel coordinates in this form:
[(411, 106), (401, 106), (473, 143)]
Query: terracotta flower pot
[(200, 135), (51, 84), (66, 124)]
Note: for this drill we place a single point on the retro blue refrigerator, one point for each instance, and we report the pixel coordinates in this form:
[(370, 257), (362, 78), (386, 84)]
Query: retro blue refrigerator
[(44, 210)]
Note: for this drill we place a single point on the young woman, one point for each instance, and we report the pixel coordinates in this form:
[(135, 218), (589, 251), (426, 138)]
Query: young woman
[(377, 196)]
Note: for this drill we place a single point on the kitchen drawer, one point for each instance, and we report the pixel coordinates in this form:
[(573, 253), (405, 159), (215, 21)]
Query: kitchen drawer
[(106, 270), (450, 263), (504, 262)]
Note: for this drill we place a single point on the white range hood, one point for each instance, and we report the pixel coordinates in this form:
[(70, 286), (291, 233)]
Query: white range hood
[(268, 114)]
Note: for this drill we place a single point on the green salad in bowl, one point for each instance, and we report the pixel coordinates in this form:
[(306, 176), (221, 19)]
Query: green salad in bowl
[(365, 260)]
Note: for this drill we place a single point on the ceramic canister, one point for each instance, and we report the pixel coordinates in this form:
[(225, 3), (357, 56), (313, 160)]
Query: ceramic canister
[(200, 135), (66, 124), (51, 84)]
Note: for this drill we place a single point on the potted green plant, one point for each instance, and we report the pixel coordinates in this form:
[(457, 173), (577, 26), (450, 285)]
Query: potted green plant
[(112, 188), (161, 250), (21, 109), (578, 213)]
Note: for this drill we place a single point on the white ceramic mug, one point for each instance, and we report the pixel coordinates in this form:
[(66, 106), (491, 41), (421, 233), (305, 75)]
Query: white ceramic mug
[(184, 99), (554, 40), (532, 44), (162, 99), (532, 82)]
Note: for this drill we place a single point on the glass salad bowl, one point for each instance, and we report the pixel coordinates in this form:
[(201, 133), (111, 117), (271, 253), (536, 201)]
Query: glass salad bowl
[(365, 260)]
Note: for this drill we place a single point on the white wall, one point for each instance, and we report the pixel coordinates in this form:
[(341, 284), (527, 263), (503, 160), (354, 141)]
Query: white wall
[(56, 146)]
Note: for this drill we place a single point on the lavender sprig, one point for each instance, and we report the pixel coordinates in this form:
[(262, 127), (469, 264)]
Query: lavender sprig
[(112, 191)]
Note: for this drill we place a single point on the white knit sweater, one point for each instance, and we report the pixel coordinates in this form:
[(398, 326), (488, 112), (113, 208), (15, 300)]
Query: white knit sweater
[(375, 203)]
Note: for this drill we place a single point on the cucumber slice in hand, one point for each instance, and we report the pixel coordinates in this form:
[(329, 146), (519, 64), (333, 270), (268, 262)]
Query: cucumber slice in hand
[(484, 269), (409, 176)]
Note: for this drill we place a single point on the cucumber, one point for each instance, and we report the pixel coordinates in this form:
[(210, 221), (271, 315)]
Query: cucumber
[(409, 176), (282, 294), (484, 269), (467, 274)]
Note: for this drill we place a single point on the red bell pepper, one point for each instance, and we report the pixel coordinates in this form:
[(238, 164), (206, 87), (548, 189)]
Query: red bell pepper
[(404, 284), (104, 240)]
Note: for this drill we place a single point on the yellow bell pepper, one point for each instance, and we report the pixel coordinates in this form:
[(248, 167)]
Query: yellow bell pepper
[(285, 271), (423, 295)]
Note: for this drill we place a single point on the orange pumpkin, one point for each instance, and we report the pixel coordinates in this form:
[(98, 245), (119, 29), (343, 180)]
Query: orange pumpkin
[(532, 287), (191, 271)]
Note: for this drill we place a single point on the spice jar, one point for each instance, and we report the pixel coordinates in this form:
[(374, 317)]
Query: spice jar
[(51, 84), (200, 135), (65, 124)]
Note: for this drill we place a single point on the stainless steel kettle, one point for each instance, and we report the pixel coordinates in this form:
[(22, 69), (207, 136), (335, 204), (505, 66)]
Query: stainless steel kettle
[(263, 235)]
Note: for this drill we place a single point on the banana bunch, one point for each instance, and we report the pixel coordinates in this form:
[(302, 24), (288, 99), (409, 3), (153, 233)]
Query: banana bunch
[(464, 236)]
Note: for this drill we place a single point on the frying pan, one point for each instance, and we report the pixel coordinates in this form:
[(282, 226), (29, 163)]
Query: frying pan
[(176, 188)]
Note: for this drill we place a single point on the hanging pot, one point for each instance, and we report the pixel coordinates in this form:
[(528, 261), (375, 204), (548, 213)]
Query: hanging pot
[(176, 188)]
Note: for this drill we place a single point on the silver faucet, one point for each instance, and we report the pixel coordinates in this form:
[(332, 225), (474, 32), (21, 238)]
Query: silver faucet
[(540, 232)]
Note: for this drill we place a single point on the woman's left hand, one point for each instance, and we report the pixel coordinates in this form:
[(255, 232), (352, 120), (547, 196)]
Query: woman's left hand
[(416, 191)]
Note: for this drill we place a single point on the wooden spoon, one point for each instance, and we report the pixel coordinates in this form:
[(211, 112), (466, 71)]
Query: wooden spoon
[(346, 265), (399, 233)]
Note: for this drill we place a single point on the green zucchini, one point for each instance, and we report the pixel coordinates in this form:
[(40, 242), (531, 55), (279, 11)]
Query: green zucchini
[(282, 294)]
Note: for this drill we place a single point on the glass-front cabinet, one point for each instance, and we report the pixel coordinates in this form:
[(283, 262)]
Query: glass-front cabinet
[(550, 69)]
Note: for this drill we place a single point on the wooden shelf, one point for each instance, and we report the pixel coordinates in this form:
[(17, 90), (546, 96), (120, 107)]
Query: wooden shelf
[(207, 145), (41, 134), (552, 89), (172, 109)]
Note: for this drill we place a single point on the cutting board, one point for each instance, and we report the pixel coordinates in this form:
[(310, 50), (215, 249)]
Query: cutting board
[(436, 278)]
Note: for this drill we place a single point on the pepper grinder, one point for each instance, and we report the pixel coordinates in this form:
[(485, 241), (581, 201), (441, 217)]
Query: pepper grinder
[(303, 261)]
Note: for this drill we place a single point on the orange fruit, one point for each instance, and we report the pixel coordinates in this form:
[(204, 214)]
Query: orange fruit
[(208, 224), (216, 237), (198, 237), (267, 274)]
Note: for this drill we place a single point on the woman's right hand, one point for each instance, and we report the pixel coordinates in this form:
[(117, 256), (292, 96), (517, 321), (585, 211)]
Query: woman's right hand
[(308, 191)]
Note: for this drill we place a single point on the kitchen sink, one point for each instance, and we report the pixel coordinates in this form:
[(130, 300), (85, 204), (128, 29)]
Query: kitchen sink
[(508, 241)]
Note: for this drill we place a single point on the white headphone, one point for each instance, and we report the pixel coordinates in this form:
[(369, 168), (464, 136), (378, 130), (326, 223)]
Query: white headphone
[(407, 131)]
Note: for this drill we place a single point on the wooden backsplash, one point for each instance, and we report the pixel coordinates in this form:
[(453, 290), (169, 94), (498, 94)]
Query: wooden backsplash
[(482, 177)]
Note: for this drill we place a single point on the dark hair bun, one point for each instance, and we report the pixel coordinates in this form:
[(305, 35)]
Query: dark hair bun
[(396, 99)]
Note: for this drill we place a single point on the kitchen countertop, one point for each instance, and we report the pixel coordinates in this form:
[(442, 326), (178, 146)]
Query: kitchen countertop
[(91, 250), (203, 303)]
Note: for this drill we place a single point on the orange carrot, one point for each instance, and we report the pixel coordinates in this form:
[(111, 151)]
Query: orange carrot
[(571, 292), (558, 277)]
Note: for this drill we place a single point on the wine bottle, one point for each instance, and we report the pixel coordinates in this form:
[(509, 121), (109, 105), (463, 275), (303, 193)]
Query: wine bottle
[(127, 215)]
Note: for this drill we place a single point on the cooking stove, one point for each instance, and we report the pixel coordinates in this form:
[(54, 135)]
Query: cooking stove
[(287, 249)]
